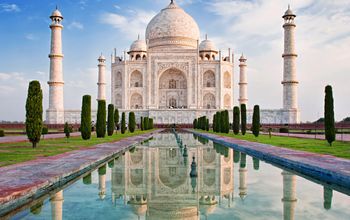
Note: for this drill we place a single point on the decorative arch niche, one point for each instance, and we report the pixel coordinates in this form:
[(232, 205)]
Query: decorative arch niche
[(172, 89), (227, 80), (209, 79), (209, 101), (136, 101), (227, 101), (118, 80), (136, 79)]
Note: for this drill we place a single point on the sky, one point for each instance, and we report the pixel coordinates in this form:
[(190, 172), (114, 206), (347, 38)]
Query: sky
[(252, 27)]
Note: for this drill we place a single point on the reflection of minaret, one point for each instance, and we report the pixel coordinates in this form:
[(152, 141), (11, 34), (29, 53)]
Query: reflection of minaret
[(243, 177), (289, 195), (102, 182), (56, 205)]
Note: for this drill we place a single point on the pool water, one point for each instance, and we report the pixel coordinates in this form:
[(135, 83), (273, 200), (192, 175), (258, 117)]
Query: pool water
[(152, 181)]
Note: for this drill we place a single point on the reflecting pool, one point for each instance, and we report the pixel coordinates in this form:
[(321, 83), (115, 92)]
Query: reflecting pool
[(153, 181)]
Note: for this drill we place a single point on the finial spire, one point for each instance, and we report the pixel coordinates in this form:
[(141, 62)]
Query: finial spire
[(56, 7), (138, 37), (206, 36), (288, 6), (172, 2)]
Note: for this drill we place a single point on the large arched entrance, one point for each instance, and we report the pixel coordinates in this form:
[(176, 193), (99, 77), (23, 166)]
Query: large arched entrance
[(172, 89)]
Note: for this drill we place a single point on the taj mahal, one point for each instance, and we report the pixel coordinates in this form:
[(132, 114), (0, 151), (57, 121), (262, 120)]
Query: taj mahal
[(174, 77)]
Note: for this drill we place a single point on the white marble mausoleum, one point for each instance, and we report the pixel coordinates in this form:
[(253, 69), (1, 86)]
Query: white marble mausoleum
[(173, 76)]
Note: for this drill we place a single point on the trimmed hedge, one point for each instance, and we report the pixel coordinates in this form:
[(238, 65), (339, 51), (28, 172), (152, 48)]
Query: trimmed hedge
[(123, 125), (34, 112), (256, 121), (110, 120), (2, 133), (85, 127), (329, 123), (101, 119), (243, 119), (132, 122)]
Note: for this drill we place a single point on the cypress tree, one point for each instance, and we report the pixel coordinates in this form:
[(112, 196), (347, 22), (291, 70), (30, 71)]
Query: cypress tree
[(123, 128), (116, 119), (101, 119), (329, 115), (145, 122), (218, 122), (221, 122), (243, 118), (85, 126), (256, 121), (151, 123), (110, 120), (207, 127), (132, 122), (214, 122), (141, 123), (34, 112), (195, 123), (235, 120), (225, 122)]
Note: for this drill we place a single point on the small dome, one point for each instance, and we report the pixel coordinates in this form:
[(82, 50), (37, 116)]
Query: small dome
[(56, 13), (288, 13), (101, 57), (207, 45), (138, 46), (242, 58), (172, 26)]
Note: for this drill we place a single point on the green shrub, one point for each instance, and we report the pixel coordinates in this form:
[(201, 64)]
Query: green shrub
[(151, 125), (207, 127), (283, 130), (123, 126), (146, 121), (329, 123), (116, 119), (44, 131), (132, 122), (34, 112), (243, 119), (110, 120), (236, 120), (2, 133), (141, 124), (67, 130), (101, 119), (256, 121), (195, 123), (85, 127)]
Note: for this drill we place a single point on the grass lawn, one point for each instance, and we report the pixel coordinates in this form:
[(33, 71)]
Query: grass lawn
[(338, 148), (12, 153)]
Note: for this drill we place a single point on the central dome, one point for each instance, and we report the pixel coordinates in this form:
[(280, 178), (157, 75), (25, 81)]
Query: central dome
[(172, 27)]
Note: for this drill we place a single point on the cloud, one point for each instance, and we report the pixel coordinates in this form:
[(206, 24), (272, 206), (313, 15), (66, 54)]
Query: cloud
[(132, 24), (76, 25), (30, 37), (9, 7), (255, 28), (116, 6)]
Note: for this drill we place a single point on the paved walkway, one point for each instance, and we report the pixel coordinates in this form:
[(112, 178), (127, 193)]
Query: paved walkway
[(323, 167), (19, 183), (339, 137), (24, 138)]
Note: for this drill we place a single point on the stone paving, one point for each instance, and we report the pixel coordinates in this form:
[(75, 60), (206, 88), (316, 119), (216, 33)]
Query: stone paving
[(24, 138), (21, 182), (326, 168)]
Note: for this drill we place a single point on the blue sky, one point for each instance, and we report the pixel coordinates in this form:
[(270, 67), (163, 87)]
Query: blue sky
[(251, 26)]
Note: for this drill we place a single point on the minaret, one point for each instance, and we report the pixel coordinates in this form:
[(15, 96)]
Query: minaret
[(290, 82), (289, 195), (55, 113), (243, 96), (56, 205), (101, 78)]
